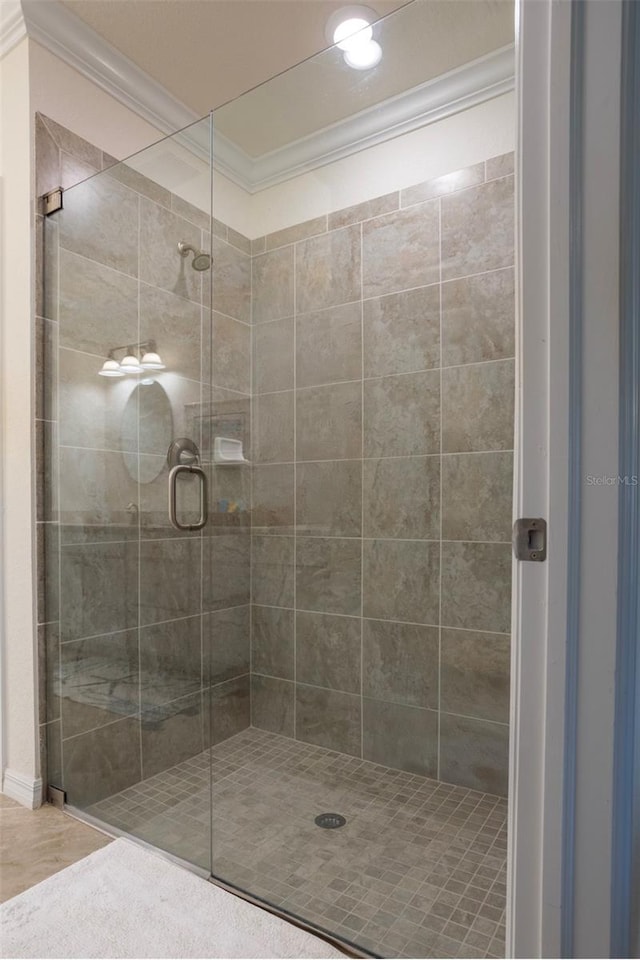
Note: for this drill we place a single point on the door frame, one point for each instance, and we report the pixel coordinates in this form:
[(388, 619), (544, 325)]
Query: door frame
[(561, 855), (537, 772)]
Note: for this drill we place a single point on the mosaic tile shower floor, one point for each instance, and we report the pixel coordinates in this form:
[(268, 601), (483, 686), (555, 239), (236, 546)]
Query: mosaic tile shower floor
[(419, 870)]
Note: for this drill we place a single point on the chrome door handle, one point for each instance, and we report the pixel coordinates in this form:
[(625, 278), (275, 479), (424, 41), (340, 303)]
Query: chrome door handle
[(173, 496)]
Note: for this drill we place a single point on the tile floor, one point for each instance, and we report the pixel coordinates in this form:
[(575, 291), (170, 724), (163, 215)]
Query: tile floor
[(419, 869), (34, 844)]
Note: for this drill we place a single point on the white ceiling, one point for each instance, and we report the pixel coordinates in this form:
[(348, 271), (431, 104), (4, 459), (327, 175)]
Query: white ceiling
[(207, 52)]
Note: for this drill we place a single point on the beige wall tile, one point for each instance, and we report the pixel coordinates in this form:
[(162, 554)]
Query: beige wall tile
[(477, 229), (328, 270), (476, 586), (272, 285), (328, 651), (400, 663), (477, 496), (299, 231), (402, 332), (401, 580), (273, 356), (478, 318), (475, 674), (329, 422), (401, 250), (474, 753), (477, 407), (328, 575), (402, 498), (329, 345), (441, 186), (329, 498), (402, 415)]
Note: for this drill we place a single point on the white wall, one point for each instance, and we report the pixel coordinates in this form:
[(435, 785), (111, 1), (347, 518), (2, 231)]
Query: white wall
[(19, 701), (60, 92)]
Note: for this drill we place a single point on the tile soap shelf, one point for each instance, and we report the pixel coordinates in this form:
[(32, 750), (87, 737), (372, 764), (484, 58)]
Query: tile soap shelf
[(228, 452)]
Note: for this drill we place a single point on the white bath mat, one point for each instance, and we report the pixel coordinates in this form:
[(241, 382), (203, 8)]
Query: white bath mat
[(125, 901)]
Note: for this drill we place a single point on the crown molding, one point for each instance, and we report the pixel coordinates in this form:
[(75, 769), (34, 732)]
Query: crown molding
[(448, 94), (12, 26), (69, 38)]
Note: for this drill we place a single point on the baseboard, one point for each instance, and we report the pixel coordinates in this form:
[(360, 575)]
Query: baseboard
[(23, 789)]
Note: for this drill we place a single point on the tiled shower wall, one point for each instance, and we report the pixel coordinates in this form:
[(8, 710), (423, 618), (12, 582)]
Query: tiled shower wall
[(143, 631), (383, 392), (382, 416)]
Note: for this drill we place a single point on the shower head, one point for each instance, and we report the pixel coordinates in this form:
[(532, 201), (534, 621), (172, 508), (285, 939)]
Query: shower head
[(201, 260)]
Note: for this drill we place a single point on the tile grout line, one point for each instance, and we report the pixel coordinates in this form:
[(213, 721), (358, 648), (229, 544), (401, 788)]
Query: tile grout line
[(438, 721), (325, 385), (253, 448), (362, 487), (58, 459), (139, 564), (295, 491), (206, 356)]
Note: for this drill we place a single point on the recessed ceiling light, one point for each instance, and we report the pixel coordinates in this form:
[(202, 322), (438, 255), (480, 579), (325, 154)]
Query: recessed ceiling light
[(351, 31), (363, 57)]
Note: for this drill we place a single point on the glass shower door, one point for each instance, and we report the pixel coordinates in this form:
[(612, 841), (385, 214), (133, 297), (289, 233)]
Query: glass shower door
[(128, 268)]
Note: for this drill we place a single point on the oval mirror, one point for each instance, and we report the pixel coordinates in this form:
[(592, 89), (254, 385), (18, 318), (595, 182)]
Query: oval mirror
[(148, 416)]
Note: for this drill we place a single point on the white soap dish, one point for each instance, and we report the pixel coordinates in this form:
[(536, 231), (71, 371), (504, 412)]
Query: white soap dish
[(227, 452)]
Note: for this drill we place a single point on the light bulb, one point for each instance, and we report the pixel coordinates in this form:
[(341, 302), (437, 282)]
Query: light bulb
[(152, 361), (363, 57), (147, 381), (110, 368), (355, 32), (130, 364)]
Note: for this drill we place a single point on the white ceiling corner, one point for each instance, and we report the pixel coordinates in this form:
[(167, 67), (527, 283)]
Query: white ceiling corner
[(12, 25), (69, 38)]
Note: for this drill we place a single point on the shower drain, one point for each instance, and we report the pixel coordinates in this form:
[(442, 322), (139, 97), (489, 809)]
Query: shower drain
[(330, 820)]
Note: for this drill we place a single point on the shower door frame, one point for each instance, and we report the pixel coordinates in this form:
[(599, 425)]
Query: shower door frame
[(567, 373)]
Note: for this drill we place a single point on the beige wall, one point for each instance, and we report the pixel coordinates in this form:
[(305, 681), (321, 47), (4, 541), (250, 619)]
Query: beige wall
[(18, 679)]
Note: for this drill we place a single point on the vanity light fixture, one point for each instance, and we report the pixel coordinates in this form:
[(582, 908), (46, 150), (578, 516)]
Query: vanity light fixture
[(130, 363), (111, 368), (152, 361), (351, 31)]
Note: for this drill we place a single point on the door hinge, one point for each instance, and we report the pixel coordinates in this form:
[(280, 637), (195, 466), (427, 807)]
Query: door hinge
[(56, 797), (52, 201), (530, 538)]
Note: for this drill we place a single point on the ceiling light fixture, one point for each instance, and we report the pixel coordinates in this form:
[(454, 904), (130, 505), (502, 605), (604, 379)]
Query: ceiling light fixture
[(351, 31), (363, 57)]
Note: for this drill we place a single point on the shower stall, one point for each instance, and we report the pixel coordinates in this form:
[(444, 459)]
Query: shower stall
[(276, 439)]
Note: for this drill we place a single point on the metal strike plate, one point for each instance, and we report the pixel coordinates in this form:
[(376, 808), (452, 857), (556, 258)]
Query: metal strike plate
[(530, 538)]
